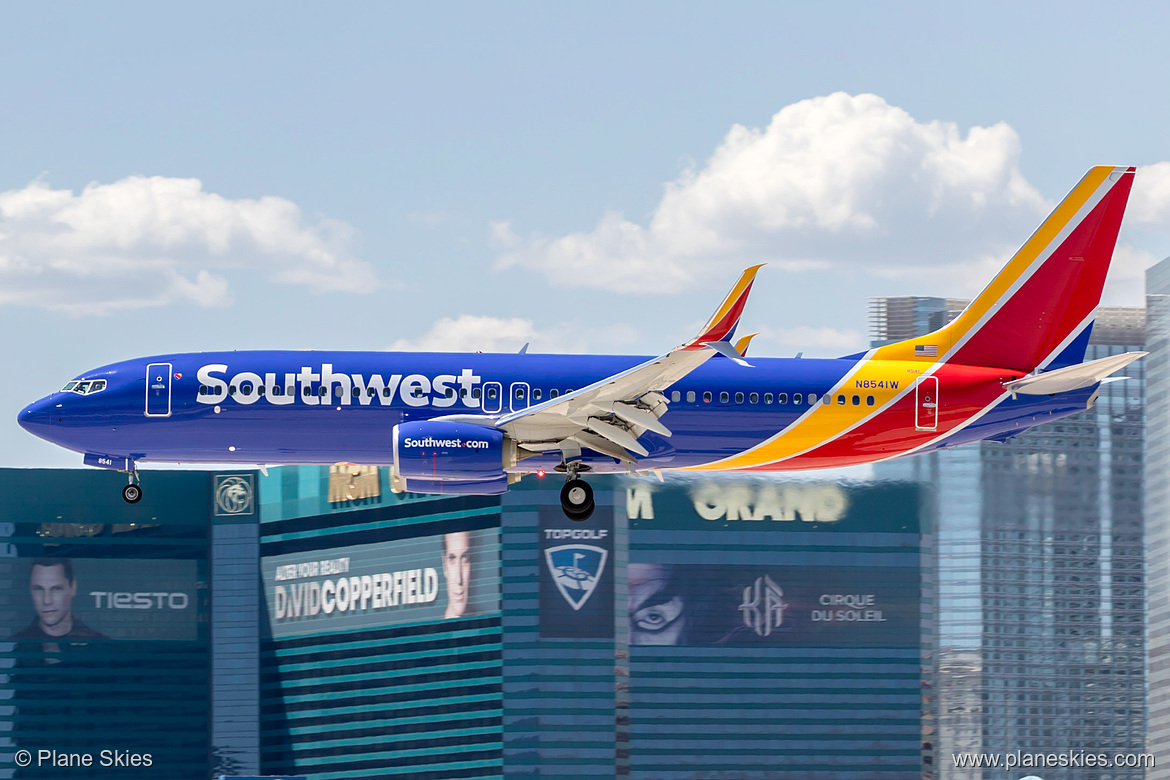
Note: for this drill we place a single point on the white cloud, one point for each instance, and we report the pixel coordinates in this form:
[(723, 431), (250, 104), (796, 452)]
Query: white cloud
[(838, 182), (471, 333), (1149, 202), (151, 241), (814, 342)]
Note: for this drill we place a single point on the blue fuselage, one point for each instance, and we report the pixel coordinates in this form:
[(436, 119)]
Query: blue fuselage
[(329, 407)]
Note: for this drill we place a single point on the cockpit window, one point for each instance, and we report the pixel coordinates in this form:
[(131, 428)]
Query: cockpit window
[(85, 387)]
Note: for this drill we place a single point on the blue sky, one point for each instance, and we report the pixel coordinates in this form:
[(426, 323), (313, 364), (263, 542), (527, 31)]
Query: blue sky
[(471, 175)]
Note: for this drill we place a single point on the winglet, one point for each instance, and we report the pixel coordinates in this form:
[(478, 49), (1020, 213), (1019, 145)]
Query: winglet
[(742, 345), (721, 326)]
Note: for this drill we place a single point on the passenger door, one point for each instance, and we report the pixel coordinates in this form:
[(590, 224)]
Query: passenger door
[(158, 390)]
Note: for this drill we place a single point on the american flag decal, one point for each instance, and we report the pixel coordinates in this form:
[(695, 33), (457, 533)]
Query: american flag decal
[(925, 350)]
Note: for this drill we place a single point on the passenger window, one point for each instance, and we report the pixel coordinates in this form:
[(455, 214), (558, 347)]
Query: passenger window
[(277, 390), (690, 396), (724, 397), (450, 393), (305, 391), (386, 392), (856, 400), (202, 389), (324, 391), (232, 390), (675, 395), (739, 398), (768, 398), (840, 400), (782, 398), (369, 392), (476, 392), (416, 393), (491, 393), (796, 399), (259, 389), (554, 393), (754, 398), (869, 400), (706, 396), (519, 392), (536, 394)]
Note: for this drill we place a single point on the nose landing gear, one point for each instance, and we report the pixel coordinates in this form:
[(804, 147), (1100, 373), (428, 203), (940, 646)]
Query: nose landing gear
[(132, 493)]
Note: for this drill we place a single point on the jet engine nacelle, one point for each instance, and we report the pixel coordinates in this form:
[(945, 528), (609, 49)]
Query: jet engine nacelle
[(450, 451)]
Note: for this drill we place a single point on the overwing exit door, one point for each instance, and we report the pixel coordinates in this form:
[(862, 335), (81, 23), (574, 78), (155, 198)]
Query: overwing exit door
[(926, 403), (158, 390)]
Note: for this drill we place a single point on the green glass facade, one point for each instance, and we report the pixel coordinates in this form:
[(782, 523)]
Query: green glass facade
[(105, 605)]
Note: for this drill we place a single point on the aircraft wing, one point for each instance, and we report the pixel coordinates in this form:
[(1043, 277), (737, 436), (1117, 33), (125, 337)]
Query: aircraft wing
[(609, 415)]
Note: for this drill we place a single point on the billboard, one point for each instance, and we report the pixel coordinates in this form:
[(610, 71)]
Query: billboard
[(769, 605), (576, 575), (54, 599), (428, 578)]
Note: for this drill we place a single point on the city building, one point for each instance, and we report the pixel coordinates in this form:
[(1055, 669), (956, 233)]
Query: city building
[(306, 621), (1157, 509), (1039, 574), (105, 625)]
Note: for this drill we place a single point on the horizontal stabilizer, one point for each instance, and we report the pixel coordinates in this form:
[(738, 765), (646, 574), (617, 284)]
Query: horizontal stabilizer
[(1076, 377)]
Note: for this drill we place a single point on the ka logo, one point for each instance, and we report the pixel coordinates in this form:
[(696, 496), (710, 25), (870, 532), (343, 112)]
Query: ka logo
[(233, 495), (576, 569), (763, 606)]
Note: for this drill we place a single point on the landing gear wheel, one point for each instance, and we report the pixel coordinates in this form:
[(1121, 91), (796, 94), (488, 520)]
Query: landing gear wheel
[(577, 500), (132, 494)]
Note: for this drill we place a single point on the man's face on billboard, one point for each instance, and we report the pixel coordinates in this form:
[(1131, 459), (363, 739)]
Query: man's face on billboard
[(457, 571), (52, 595)]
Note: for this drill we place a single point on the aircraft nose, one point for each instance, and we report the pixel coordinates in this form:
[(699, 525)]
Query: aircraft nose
[(35, 418)]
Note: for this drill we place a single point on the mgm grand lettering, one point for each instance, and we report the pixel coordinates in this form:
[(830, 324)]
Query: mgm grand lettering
[(779, 503), (354, 594)]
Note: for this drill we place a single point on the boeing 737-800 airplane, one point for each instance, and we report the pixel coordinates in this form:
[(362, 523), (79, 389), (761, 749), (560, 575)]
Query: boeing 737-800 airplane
[(474, 423)]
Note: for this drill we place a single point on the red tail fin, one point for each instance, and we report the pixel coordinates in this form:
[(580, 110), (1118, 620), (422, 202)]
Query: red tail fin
[(1046, 294)]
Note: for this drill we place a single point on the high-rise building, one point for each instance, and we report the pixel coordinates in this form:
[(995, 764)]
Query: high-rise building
[(1039, 572), (1157, 509)]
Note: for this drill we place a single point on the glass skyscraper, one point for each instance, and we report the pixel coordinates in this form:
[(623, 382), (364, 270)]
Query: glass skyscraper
[(1157, 509), (1039, 574)]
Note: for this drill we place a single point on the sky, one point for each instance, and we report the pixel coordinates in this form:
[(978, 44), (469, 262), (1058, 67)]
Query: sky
[(587, 177)]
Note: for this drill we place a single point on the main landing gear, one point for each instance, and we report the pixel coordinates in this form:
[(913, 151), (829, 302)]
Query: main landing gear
[(576, 495), (132, 493), (577, 499)]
